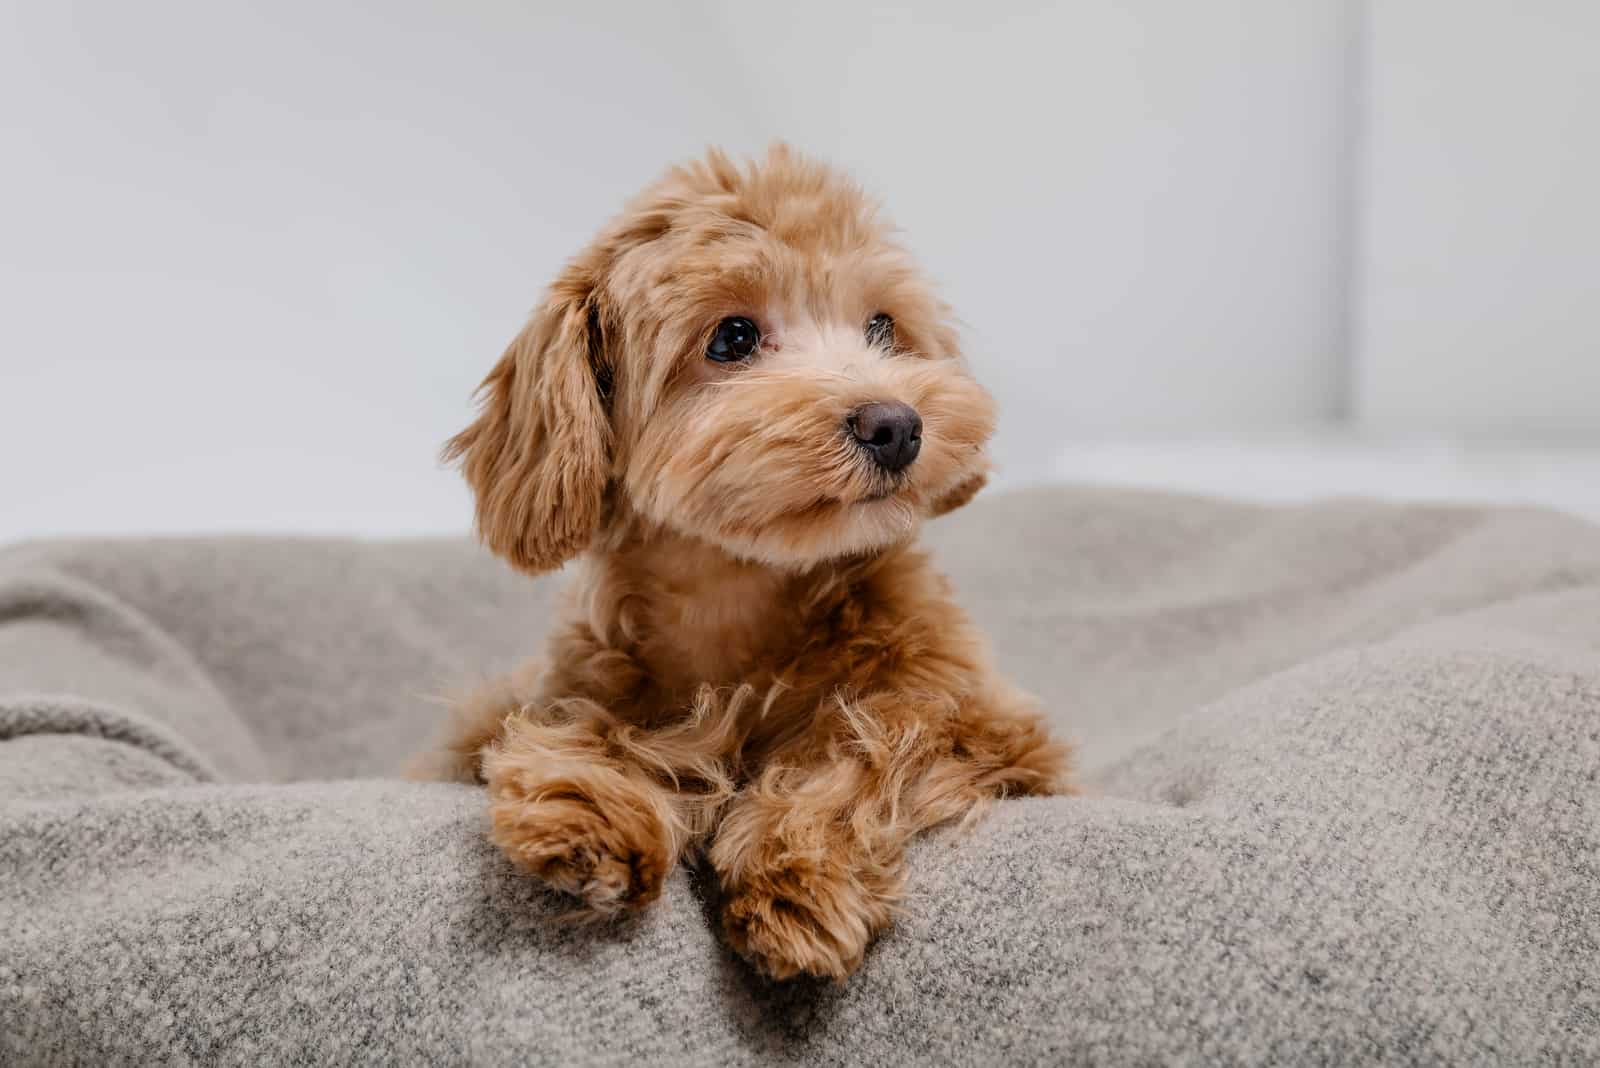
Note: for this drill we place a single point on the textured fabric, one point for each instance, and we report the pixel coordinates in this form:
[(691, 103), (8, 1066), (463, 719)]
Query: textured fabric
[(1345, 806)]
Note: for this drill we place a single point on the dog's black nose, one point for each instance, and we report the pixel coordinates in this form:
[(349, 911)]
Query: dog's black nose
[(890, 432)]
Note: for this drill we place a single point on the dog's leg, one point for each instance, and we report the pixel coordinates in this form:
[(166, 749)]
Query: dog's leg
[(810, 868), (569, 813), (600, 809), (810, 856), (565, 804)]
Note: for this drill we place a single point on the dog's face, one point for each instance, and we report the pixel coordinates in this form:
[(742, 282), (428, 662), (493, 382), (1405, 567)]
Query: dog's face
[(745, 357)]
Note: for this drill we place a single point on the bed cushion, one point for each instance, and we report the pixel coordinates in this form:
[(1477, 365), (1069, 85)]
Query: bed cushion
[(1343, 770)]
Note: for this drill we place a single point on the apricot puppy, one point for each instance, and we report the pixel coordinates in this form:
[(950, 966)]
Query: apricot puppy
[(737, 406)]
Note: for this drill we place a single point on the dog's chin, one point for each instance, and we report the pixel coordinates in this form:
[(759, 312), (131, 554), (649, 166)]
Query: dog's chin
[(824, 532)]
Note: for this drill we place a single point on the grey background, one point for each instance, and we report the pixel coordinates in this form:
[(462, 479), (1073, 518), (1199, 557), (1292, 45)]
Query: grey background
[(256, 255)]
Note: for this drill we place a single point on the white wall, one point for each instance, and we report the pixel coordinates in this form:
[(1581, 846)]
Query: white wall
[(1135, 204), (258, 253), (1479, 296)]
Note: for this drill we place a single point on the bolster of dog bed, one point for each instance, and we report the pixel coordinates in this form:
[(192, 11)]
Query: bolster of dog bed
[(1342, 770)]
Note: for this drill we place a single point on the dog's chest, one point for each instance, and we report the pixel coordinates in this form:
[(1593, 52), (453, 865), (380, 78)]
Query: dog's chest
[(725, 635)]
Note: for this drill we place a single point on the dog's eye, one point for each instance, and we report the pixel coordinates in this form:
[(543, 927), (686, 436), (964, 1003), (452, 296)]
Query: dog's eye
[(736, 339), (880, 331)]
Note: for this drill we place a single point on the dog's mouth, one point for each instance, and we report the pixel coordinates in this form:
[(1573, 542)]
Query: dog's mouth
[(882, 488)]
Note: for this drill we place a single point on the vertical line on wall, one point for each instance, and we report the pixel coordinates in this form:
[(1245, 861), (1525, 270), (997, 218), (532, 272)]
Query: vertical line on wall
[(1349, 188)]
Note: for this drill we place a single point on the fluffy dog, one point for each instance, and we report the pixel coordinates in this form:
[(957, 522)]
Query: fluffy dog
[(738, 405)]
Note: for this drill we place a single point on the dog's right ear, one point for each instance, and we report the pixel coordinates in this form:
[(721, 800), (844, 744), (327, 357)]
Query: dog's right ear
[(538, 457)]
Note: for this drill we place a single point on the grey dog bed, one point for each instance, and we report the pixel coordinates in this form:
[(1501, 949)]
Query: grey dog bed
[(1344, 763)]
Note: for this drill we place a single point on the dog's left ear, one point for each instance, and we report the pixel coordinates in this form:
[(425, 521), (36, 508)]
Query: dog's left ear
[(948, 345), (538, 457), (963, 492)]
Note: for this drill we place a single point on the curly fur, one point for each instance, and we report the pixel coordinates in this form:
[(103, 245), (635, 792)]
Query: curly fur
[(756, 661)]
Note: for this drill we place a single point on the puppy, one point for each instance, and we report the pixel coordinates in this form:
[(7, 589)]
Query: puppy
[(737, 406)]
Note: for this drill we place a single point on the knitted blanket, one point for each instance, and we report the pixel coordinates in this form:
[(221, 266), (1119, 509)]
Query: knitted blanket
[(1344, 772)]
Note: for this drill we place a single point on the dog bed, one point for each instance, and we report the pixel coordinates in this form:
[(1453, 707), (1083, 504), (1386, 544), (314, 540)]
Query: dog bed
[(1343, 803)]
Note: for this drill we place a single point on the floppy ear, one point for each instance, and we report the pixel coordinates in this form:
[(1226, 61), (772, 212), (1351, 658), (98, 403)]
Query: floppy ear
[(538, 456), (948, 344), (963, 492)]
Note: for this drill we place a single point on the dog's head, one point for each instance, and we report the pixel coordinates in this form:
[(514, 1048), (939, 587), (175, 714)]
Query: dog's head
[(744, 356)]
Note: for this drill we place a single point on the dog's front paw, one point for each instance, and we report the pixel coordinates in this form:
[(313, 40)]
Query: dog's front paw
[(610, 853), (803, 918)]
